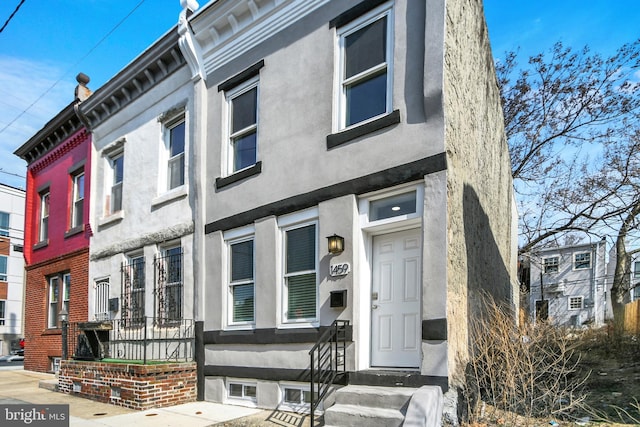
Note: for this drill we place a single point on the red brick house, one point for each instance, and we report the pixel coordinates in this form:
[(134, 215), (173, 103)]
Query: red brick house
[(57, 232)]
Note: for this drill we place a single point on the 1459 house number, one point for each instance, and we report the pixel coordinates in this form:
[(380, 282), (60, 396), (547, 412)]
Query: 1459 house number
[(341, 269)]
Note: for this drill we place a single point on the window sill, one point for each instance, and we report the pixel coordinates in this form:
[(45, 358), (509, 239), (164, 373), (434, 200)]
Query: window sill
[(41, 245), (108, 220), (239, 176), (52, 331), (75, 230), (169, 196), (339, 138)]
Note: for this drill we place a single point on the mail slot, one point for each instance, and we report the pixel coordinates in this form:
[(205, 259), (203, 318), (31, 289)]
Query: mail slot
[(338, 299)]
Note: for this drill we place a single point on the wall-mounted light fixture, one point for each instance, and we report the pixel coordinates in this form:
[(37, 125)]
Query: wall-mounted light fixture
[(336, 244)]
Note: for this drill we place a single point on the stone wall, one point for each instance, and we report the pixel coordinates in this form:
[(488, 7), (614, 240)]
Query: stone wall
[(132, 386), (479, 184)]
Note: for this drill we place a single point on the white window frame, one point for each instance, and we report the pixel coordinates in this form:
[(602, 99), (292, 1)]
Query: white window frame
[(4, 275), (101, 290), (575, 256), (556, 264), (636, 269), (4, 232), (231, 284), (77, 200), (385, 10), (168, 128), (245, 400), (572, 299), (286, 321), (366, 199), (43, 222), (114, 185), (62, 299), (298, 407), (230, 95)]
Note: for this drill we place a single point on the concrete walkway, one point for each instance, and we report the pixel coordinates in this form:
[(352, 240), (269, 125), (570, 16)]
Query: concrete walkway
[(20, 386)]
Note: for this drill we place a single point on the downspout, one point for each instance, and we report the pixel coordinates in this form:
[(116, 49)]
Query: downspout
[(594, 304)]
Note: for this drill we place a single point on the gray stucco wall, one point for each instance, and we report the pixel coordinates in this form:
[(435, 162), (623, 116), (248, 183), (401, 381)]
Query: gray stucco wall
[(480, 252)]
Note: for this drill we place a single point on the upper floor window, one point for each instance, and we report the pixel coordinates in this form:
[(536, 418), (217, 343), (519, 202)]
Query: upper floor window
[(59, 292), (2, 312), (241, 282), (117, 171), (175, 140), (365, 67), (3, 268), (636, 269), (77, 200), (243, 125), (582, 260), (551, 264), (44, 216), (4, 224), (300, 274)]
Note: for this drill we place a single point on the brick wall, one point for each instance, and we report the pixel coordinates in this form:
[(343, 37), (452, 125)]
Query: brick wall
[(132, 386), (41, 342)]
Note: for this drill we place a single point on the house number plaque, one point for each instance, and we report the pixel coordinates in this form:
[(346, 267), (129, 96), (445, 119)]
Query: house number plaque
[(341, 269)]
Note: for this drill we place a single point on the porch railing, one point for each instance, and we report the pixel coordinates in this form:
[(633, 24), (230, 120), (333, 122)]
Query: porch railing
[(145, 340), (327, 357)]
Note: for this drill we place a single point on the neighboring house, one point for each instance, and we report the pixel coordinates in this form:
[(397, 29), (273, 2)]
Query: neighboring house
[(141, 256), (634, 291), (634, 274), (377, 121), (569, 286), (57, 232), (11, 268)]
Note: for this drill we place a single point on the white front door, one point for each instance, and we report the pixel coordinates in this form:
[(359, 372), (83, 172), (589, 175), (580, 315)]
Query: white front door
[(395, 300)]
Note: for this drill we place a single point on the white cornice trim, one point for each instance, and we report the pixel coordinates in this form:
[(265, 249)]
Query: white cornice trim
[(233, 28)]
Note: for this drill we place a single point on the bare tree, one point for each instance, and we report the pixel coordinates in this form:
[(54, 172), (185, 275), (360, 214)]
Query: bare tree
[(572, 119)]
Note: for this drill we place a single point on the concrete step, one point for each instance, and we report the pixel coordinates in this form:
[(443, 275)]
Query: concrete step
[(343, 415), (375, 396), (49, 384)]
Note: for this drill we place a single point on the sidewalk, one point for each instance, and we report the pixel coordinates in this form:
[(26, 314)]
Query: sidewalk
[(20, 386)]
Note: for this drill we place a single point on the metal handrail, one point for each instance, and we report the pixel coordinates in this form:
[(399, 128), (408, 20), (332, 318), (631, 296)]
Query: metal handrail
[(326, 360)]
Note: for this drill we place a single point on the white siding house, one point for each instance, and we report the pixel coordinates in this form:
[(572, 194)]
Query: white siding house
[(569, 286)]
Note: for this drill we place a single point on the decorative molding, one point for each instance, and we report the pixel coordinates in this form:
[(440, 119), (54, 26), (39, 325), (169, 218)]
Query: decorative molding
[(227, 30), (148, 70), (58, 149)]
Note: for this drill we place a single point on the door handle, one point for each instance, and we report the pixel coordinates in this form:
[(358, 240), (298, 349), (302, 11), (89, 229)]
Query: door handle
[(374, 306)]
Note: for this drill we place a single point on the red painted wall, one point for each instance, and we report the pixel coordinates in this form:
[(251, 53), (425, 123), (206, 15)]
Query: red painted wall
[(62, 253), (53, 171)]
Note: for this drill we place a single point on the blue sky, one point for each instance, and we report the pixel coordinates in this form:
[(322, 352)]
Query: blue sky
[(48, 42)]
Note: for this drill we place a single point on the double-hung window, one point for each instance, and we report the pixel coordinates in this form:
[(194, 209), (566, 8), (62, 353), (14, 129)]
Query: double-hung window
[(77, 200), (59, 292), (3, 305), (241, 283), (300, 274), (551, 264), (582, 261), (44, 216), (4, 224), (365, 47), (175, 134), (117, 175), (242, 104)]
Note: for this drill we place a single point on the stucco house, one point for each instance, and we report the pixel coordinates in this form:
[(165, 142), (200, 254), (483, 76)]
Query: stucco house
[(141, 254), (57, 233), (569, 286), (11, 268), (372, 124)]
